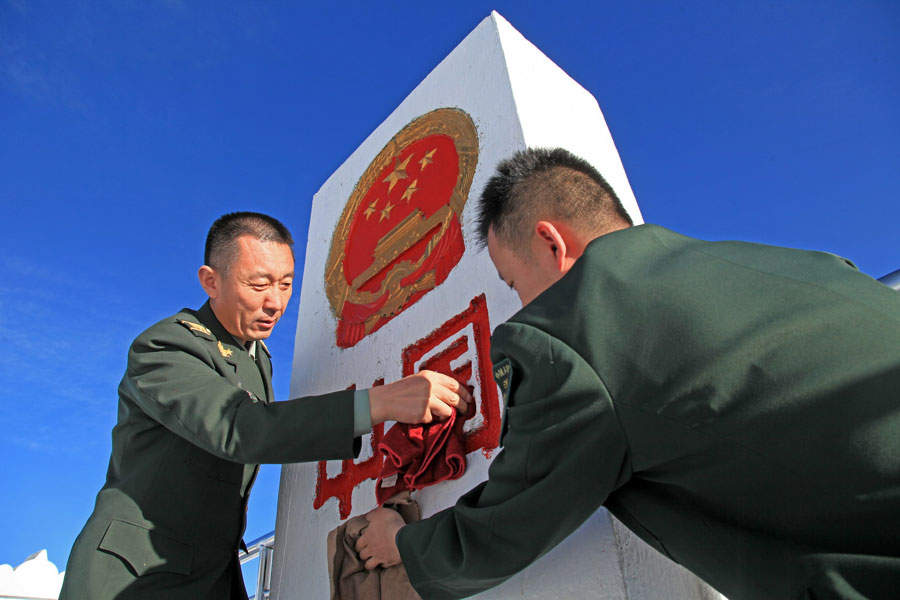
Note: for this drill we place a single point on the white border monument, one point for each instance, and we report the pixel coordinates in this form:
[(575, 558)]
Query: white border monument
[(393, 284)]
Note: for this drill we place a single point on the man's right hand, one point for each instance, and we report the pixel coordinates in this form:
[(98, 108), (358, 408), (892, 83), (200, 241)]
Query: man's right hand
[(421, 398)]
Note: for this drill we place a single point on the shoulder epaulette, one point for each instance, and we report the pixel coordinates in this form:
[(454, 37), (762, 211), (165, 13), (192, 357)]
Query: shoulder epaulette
[(197, 329), (265, 349)]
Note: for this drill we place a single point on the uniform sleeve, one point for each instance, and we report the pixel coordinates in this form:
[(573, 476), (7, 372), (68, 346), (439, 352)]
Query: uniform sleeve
[(173, 379), (563, 453)]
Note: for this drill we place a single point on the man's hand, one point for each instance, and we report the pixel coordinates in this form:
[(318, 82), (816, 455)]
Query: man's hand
[(420, 398), (377, 545)]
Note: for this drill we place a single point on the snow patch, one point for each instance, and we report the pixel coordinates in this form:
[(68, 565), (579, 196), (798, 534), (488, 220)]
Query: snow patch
[(36, 578)]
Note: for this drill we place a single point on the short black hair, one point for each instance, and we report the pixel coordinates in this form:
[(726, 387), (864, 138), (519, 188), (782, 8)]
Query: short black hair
[(546, 181), (221, 241)]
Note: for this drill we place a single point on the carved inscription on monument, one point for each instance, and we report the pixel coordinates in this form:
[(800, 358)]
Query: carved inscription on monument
[(460, 348), (399, 237)]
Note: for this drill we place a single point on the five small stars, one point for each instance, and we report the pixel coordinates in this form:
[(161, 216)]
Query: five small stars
[(392, 178)]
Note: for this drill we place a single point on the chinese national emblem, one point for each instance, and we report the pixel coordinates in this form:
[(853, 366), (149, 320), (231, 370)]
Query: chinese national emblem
[(400, 234)]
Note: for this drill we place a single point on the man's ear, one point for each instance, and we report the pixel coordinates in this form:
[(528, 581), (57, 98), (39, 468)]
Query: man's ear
[(209, 280), (550, 246)]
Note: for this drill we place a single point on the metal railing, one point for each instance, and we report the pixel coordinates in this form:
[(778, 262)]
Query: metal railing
[(263, 549), (892, 280)]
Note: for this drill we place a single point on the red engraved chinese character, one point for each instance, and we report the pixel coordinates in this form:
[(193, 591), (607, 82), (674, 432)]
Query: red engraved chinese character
[(460, 348), (352, 474)]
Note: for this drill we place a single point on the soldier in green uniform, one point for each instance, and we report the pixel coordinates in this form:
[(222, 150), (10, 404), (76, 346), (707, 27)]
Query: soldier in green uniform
[(735, 405), (196, 415)]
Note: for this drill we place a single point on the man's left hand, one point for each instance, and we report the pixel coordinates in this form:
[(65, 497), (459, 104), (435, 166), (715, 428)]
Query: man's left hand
[(377, 545), (422, 397)]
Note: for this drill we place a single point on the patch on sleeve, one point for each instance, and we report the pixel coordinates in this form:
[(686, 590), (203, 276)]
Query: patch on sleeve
[(503, 377), (197, 329)]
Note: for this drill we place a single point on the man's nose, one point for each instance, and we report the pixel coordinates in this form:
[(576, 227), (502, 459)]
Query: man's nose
[(274, 300)]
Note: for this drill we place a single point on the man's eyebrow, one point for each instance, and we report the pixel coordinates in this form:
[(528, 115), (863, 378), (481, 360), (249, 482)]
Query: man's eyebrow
[(268, 275)]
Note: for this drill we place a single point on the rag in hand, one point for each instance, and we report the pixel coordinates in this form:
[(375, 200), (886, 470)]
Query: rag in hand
[(417, 456)]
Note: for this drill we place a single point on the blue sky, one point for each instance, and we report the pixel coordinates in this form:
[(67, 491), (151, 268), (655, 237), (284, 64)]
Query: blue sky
[(127, 127)]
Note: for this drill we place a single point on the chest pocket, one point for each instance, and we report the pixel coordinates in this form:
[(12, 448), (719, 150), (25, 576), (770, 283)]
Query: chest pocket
[(147, 550)]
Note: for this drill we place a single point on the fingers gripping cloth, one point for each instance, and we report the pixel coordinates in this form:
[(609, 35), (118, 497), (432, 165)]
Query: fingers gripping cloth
[(417, 456), (347, 572)]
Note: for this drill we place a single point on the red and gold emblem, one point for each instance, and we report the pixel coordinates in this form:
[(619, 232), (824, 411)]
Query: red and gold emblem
[(400, 234)]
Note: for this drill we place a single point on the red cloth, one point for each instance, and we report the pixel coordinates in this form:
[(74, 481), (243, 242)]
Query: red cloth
[(420, 456)]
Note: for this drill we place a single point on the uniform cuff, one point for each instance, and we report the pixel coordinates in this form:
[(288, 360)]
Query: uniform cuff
[(362, 415)]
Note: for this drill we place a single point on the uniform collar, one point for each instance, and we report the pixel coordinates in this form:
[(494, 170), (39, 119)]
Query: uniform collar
[(208, 318)]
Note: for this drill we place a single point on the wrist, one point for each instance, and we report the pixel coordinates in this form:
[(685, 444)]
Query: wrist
[(377, 410), (398, 555)]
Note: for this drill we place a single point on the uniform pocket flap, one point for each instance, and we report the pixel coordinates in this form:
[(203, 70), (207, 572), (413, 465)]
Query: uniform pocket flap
[(147, 550)]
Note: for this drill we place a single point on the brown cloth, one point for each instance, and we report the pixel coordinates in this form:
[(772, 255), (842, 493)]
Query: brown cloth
[(347, 571)]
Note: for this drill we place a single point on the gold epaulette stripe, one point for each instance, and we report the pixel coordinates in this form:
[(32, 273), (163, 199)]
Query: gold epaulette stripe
[(197, 329)]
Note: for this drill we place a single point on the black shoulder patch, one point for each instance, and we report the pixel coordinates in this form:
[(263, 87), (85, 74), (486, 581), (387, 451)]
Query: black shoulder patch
[(503, 376), (197, 329)]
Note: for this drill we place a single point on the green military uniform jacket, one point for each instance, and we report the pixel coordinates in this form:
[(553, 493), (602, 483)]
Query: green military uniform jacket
[(196, 415), (737, 406)]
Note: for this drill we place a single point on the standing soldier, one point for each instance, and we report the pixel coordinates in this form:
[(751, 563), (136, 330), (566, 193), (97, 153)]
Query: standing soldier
[(197, 415)]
